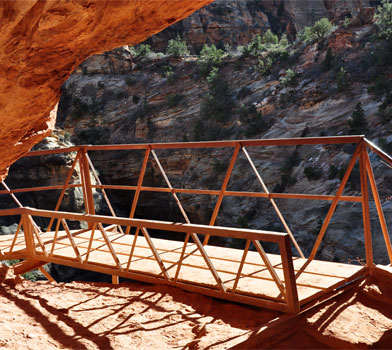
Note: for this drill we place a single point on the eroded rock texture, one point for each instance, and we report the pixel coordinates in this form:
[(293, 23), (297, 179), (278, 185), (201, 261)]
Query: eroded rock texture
[(43, 41), (106, 101), (235, 22)]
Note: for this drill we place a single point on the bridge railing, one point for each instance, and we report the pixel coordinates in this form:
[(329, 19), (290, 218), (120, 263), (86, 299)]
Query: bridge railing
[(89, 180), (44, 247)]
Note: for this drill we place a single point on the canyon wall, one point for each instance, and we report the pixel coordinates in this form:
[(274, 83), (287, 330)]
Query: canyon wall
[(114, 98), (117, 98), (236, 22), (42, 42)]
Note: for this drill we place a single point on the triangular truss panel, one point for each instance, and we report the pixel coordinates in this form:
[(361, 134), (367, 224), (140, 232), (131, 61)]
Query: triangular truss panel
[(136, 248)]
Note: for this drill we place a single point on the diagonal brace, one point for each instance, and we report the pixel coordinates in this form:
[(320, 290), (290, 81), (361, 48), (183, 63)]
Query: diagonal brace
[(269, 266), (281, 218)]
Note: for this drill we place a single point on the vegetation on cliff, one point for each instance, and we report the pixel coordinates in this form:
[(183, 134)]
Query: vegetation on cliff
[(266, 87)]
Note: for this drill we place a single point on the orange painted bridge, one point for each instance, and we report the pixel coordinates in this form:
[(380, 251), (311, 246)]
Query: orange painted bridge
[(123, 247)]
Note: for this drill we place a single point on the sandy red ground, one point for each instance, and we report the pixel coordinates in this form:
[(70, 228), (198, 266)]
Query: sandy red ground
[(43, 315)]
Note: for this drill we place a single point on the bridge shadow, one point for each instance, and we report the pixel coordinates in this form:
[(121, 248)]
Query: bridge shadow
[(363, 305), (98, 312), (26, 304), (103, 311), (198, 306)]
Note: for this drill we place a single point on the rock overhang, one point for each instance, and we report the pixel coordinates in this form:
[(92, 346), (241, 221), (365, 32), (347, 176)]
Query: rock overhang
[(43, 41)]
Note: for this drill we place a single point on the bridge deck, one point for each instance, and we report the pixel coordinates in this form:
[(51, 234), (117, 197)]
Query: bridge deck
[(255, 281), (278, 282)]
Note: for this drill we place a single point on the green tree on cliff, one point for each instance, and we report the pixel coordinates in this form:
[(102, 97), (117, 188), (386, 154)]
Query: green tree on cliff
[(209, 57), (141, 52), (270, 38), (328, 61), (217, 103), (177, 48), (357, 122), (383, 19), (319, 30)]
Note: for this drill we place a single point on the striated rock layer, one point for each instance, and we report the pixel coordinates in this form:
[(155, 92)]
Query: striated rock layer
[(43, 41), (235, 22), (105, 101)]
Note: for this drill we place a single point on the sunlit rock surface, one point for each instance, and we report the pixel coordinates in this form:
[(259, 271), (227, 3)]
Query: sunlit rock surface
[(43, 41), (235, 22)]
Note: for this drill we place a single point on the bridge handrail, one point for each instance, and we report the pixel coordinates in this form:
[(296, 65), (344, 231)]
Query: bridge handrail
[(221, 231), (378, 151), (288, 290), (322, 140)]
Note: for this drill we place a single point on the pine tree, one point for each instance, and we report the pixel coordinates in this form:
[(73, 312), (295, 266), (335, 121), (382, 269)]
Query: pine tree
[(383, 19), (342, 80), (328, 61), (357, 122)]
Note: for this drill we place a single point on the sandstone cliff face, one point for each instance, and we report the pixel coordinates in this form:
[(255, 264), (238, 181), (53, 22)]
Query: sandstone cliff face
[(112, 99), (49, 170), (304, 13), (237, 21), (43, 41), (230, 22)]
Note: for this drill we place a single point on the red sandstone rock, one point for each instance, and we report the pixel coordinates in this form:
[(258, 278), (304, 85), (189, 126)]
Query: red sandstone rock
[(43, 41), (339, 40), (7, 276), (365, 16), (308, 57), (139, 316)]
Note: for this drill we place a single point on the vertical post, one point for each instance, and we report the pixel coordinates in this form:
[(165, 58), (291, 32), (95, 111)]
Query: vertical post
[(380, 212), (115, 279), (86, 183), (365, 207), (28, 233), (291, 293)]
